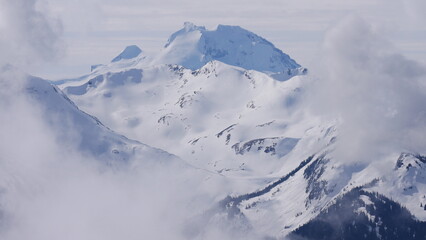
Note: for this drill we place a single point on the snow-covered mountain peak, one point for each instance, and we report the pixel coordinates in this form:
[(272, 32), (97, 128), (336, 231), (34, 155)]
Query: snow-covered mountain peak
[(129, 52), (193, 46), (188, 27), (131, 56)]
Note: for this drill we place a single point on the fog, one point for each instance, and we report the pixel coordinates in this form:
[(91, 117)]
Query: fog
[(28, 35), (51, 189), (377, 93)]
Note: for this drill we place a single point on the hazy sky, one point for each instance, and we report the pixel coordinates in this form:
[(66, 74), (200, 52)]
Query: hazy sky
[(94, 31)]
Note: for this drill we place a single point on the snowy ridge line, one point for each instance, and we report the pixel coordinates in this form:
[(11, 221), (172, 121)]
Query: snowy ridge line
[(31, 90), (400, 161), (231, 203), (379, 218), (345, 190), (62, 81)]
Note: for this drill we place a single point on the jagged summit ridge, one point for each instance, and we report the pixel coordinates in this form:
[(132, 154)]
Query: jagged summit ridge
[(193, 46), (187, 27)]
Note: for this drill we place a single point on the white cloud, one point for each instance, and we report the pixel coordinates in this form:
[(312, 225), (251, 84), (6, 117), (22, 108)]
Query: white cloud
[(27, 35), (378, 93)]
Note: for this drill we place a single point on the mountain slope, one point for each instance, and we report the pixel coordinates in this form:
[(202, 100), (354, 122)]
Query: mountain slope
[(360, 214), (94, 137), (73, 127), (193, 114)]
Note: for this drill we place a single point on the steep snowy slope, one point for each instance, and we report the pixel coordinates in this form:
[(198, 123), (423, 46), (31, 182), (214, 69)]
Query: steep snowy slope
[(93, 137), (316, 185), (360, 214)]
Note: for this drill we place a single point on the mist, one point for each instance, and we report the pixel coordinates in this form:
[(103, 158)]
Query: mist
[(29, 36), (51, 188), (376, 92)]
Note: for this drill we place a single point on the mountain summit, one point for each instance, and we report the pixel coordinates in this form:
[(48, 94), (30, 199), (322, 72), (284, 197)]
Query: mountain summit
[(193, 46), (128, 53)]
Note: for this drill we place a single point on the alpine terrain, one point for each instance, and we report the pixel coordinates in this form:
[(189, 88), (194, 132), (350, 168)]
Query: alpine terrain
[(226, 108)]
